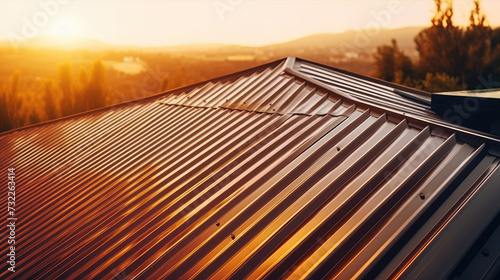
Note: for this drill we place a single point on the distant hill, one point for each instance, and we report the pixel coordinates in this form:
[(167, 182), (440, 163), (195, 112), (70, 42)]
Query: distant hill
[(349, 41), (353, 40)]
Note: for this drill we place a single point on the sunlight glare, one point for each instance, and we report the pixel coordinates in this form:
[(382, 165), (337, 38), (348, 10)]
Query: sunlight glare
[(64, 27)]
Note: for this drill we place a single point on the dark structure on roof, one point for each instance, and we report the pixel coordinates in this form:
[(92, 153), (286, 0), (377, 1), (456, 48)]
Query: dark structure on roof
[(288, 170), (479, 109)]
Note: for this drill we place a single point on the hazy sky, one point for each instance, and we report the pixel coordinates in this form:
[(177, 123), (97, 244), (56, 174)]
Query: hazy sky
[(248, 22)]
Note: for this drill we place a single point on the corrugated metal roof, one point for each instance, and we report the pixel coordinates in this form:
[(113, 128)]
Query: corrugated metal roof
[(266, 173), (267, 91)]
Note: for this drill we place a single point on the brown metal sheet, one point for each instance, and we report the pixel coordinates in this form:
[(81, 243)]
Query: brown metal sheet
[(288, 170)]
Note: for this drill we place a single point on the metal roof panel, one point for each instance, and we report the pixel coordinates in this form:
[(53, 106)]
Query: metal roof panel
[(287, 170)]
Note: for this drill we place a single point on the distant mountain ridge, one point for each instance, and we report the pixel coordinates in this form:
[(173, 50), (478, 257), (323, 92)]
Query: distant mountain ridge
[(351, 40), (358, 39)]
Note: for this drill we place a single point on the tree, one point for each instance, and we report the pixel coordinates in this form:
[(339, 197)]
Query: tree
[(477, 19), (392, 64), (81, 103), (14, 101), (477, 39), (493, 65), (466, 54), (5, 122), (49, 99), (64, 75), (96, 93), (444, 13), (33, 117), (440, 46)]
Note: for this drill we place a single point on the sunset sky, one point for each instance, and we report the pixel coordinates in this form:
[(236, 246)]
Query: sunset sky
[(246, 22)]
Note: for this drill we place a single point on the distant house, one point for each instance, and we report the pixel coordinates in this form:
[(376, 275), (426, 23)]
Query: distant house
[(288, 170)]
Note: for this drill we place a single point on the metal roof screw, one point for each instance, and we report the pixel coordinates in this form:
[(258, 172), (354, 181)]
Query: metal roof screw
[(338, 149), (486, 252), (422, 196), (217, 224), (233, 237)]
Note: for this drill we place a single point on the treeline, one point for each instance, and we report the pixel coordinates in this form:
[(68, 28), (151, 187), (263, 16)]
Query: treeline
[(450, 57), (66, 95)]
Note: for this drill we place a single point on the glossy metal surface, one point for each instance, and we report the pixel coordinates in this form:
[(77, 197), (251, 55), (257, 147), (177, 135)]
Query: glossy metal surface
[(261, 174)]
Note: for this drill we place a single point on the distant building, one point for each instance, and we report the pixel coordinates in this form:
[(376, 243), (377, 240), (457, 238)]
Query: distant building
[(287, 170)]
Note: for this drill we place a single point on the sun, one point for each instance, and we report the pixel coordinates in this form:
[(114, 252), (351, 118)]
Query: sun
[(64, 27)]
